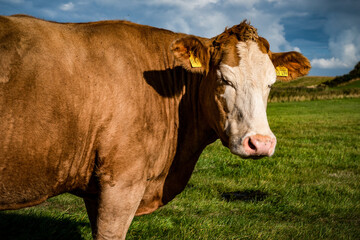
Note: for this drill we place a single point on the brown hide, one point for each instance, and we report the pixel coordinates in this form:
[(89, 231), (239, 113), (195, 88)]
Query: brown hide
[(100, 99)]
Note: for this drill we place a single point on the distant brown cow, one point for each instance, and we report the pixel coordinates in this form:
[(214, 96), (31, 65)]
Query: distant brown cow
[(119, 113)]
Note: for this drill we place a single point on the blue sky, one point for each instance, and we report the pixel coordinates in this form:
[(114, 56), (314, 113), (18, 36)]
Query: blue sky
[(325, 31)]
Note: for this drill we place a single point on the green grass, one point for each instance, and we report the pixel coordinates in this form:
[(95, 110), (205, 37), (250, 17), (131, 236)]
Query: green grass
[(312, 188)]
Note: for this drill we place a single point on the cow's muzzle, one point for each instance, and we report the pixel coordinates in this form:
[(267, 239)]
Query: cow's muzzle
[(253, 146)]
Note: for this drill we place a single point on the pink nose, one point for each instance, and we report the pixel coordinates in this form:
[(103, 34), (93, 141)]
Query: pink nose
[(259, 145)]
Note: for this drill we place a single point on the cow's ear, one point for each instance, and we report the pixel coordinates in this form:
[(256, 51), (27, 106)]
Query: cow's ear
[(290, 65), (191, 53)]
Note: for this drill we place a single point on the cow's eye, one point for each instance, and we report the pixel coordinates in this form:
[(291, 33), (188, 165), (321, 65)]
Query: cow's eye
[(227, 82), (269, 86)]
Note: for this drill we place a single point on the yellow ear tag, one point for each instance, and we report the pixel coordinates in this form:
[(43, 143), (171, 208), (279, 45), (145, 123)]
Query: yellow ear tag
[(282, 71), (194, 61)]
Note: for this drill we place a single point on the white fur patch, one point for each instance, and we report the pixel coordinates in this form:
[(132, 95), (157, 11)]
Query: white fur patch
[(247, 91)]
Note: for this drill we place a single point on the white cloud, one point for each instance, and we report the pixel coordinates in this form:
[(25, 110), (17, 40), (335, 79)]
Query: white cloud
[(269, 27), (212, 23), (274, 32), (345, 47), (201, 23), (338, 21), (329, 63), (67, 6), (297, 49), (209, 18), (178, 23)]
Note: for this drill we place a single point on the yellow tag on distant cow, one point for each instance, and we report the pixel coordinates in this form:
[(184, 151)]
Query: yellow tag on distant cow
[(195, 62), (282, 71)]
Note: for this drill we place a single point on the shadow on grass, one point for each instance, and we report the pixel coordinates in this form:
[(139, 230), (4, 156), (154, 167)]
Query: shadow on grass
[(247, 196), (27, 227)]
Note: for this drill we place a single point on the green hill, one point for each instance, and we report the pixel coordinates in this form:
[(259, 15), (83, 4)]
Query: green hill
[(341, 80), (313, 88), (308, 81)]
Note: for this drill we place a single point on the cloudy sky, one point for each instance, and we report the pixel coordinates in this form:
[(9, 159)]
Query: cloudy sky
[(326, 31)]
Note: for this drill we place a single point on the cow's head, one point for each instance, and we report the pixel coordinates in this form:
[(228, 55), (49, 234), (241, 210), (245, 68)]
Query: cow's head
[(240, 70)]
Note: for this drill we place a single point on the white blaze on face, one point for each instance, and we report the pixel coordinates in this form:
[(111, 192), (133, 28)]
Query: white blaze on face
[(246, 94)]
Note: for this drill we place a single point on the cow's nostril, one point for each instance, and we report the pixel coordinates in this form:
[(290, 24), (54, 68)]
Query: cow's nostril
[(251, 145), (259, 145)]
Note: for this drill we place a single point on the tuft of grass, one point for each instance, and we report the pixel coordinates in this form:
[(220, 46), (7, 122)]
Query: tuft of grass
[(310, 188)]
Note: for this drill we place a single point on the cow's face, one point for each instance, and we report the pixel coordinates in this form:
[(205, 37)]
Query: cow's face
[(239, 74), (241, 97)]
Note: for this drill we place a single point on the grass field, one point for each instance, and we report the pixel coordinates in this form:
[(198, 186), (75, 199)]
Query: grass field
[(310, 188)]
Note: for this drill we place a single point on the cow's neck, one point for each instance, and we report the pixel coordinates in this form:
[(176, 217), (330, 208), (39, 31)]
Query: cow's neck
[(179, 91), (193, 136)]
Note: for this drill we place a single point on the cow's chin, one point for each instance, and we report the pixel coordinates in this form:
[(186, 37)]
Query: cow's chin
[(235, 146), (240, 151)]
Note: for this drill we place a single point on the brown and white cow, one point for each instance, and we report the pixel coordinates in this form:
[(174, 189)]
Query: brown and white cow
[(118, 113)]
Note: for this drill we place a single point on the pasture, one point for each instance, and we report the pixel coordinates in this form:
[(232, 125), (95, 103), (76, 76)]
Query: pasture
[(310, 188)]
